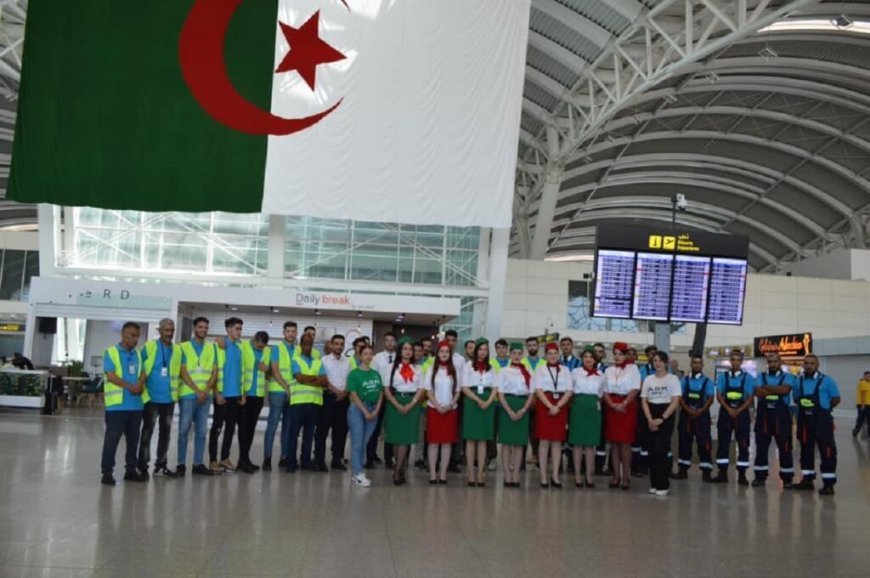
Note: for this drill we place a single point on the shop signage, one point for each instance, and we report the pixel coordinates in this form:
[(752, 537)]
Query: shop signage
[(122, 298), (792, 345), (12, 327)]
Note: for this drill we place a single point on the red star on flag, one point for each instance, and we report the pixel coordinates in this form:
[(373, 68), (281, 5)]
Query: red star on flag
[(307, 50)]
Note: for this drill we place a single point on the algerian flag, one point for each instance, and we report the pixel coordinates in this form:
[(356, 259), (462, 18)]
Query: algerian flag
[(375, 110)]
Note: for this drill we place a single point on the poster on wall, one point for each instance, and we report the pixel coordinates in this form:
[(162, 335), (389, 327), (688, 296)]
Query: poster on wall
[(791, 345)]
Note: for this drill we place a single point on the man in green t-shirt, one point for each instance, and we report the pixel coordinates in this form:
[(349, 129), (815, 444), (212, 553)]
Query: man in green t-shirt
[(365, 387)]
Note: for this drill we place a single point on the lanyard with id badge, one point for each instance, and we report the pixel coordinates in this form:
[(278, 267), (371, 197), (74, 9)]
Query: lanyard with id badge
[(556, 394), (480, 378), (164, 371)]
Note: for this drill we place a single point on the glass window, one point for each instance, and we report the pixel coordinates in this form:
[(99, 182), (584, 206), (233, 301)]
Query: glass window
[(13, 274), (31, 269)]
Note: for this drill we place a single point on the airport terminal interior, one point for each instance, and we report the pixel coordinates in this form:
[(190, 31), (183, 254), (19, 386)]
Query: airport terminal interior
[(606, 311)]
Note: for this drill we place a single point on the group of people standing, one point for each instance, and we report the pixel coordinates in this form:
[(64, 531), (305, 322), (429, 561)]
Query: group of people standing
[(434, 397)]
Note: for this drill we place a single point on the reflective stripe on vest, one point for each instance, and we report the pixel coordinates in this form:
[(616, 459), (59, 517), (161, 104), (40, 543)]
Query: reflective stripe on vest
[(695, 399), (734, 394), (285, 367), (199, 367), (113, 394), (174, 369), (811, 401), (773, 397), (300, 393), (249, 361), (221, 361)]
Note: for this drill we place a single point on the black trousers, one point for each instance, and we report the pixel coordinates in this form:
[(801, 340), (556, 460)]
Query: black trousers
[(372, 447), (695, 430), (659, 444), (862, 418), (773, 424), (640, 447), (121, 423), (601, 449), (818, 430), (150, 416), (225, 418), (248, 416), (333, 417), (740, 428)]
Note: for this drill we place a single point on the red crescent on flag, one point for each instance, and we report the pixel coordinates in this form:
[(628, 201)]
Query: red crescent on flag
[(201, 49)]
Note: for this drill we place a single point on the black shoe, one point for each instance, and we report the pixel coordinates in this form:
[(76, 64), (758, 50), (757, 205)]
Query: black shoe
[(321, 467), (136, 476), (442, 482), (292, 468), (338, 466), (555, 484), (180, 470), (420, 465), (247, 468), (267, 465), (283, 463), (706, 476), (255, 466), (144, 474), (721, 478), (805, 484), (827, 491), (433, 482), (310, 468), (377, 460), (202, 470), (855, 433), (164, 472), (369, 465), (741, 480), (758, 482), (680, 475), (787, 485), (107, 480)]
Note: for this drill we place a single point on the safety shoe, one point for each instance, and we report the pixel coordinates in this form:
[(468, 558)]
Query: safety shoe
[(706, 476), (721, 478), (228, 465), (827, 491), (680, 475), (134, 476), (107, 480), (741, 479), (758, 482), (180, 470), (267, 464), (201, 470), (805, 484)]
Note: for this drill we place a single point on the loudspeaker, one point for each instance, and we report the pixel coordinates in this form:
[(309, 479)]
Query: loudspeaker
[(47, 325)]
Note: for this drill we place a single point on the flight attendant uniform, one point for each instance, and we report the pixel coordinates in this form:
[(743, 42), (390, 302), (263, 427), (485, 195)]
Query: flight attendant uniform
[(402, 429), (618, 383), (584, 428), (555, 382), (773, 421), (441, 428), (813, 394), (516, 386), (697, 389), (478, 424)]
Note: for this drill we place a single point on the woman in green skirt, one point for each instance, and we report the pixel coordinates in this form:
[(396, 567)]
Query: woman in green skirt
[(515, 395), (584, 428), (478, 415), (403, 394)]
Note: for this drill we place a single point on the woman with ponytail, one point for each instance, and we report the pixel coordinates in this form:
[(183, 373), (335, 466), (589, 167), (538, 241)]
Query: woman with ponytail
[(442, 420), (478, 415), (553, 389), (621, 388), (515, 395), (403, 394), (584, 429)]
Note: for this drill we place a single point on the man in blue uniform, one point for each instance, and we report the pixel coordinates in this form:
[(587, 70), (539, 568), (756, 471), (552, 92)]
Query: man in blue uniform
[(816, 395), (773, 421), (698, 395), (568, 359), (736, 390), (161, 363)]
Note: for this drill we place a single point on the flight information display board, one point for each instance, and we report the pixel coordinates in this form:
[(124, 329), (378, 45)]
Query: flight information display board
[(670, 276)]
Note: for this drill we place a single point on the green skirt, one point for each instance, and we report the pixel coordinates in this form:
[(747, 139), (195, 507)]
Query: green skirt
[(402, 429), (584, 427), (513, 433), (478, 424)]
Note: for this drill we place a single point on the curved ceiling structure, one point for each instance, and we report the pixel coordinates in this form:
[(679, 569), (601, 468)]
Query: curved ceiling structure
[(756, 110)]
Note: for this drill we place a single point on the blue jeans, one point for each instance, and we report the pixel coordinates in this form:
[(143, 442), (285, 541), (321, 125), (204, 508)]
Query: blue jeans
[(279, 411), (121, 423), (194, 414), (361, 431), (303, 416)]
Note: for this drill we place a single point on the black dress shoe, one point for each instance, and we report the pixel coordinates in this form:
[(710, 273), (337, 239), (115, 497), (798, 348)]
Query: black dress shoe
[(590, 484), (321, 467), (758, 482), (338, 466), (202, 470), (721, 478), (827, 491), (481, 484), (433, 482), (555, 484), (107, 480), (282, 463), (180, 470), (267, 465), (292, 468), (247, 468), (442, 482), (805, 484), (136, 477), (545, 485)]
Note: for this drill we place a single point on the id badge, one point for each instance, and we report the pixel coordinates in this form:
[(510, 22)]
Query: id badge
[(556, 395), (479, 390), (164, 372), (199, 371), (132, 369)]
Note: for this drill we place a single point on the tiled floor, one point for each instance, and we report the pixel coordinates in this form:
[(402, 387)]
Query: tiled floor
[(57, 520)]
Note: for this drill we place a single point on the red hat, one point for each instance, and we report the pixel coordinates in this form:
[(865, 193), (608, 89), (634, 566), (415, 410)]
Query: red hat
[(552, 346), (620, 346), (444, 343)]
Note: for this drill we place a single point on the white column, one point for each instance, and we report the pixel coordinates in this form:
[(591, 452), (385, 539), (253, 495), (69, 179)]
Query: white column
[(478, 324), (549, 198), (498, 259), (47, 233)]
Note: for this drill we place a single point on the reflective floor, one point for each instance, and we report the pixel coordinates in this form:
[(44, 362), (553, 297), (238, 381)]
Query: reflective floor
[(57, 520)]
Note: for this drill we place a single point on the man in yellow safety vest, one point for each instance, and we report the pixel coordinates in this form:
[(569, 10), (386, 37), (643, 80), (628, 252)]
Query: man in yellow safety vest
[(198, 378), (306, 399)]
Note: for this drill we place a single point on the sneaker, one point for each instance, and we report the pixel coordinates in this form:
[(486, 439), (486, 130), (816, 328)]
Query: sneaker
[(338, 466), (136, 476), (662, 492), (164, 472), (107, 480), (201, 470), (492, 465), (180, 470), (228, 465), (361, 480), (267, 464), (653, 491), (827, 491)]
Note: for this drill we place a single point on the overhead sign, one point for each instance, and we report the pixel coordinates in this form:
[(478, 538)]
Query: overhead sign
[(792, 345), (677, 241)]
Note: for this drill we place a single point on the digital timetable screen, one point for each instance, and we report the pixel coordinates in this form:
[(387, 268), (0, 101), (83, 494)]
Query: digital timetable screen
[(683, 277)]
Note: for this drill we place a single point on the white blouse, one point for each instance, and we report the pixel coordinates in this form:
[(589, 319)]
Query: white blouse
[(402, 386), (553, 379), (510, 381), (621, 381), (476, 380), (587, 384), (444, 386)]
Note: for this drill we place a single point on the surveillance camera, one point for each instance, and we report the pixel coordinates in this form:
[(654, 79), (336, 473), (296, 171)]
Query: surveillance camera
[(681, 203)]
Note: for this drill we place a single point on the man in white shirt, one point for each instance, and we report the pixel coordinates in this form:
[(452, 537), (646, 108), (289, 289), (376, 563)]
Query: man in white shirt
[(383, 364), (333, 414)]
